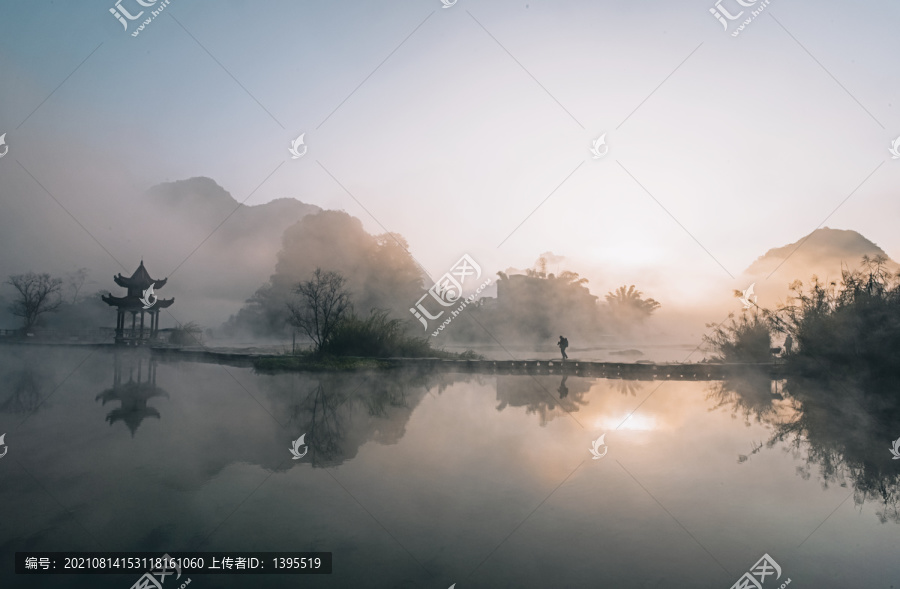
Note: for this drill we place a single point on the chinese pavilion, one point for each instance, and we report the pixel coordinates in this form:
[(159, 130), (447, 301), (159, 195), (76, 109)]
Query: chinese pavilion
[(140, 299)]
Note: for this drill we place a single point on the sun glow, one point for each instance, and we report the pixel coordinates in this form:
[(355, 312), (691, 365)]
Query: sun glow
[(626, 421)]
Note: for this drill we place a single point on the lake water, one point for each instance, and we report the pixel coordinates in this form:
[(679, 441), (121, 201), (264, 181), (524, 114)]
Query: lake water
[(426, 480)]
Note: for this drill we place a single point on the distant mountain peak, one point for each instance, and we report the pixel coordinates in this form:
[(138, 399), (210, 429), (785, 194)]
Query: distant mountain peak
[(822, 251), (204, 195)]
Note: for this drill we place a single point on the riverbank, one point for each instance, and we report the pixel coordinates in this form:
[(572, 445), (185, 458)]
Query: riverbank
[(268, 362), (574, 367)]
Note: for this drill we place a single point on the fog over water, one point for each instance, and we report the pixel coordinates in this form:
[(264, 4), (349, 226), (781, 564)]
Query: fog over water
[(683, 203), (380, 220), (447, 462)]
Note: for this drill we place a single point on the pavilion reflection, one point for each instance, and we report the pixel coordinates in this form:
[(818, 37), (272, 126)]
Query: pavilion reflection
[(133, 394)]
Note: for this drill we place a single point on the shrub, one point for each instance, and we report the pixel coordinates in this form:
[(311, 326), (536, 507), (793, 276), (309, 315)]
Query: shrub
[(188, 334), (747, 340), (375, 336)]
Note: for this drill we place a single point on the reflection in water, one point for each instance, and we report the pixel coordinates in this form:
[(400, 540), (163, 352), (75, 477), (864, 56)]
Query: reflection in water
[(134, 394), (563, 390), (340, 412), (751, 393), (629, 387), (843, 427), (533, 393), (441, 471), (25, 391)]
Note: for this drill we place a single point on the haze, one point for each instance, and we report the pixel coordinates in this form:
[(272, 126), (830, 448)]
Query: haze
[(465, 130)]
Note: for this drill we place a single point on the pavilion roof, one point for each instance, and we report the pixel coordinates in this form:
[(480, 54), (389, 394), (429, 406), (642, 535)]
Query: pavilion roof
[(140, 279), (133, 303)]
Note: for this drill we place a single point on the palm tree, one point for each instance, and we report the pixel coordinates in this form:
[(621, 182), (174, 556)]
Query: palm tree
[(628, 303)]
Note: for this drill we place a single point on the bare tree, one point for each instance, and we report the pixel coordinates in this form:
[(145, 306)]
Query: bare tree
[(323, 303), (37, 294), (75, 281)]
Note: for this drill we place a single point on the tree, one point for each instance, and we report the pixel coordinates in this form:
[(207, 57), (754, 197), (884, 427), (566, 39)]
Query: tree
[(37, 294), (380, 271), (628, 303), (324, 301), (75, 281)]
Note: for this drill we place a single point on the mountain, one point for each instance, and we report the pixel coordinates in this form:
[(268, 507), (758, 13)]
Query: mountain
[(823, 253), (204, 204), (214, 251), (220, 250)]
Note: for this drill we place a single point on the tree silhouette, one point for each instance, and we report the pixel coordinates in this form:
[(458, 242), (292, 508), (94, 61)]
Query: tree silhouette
[(37, 294), (628, 303), (324, 301)]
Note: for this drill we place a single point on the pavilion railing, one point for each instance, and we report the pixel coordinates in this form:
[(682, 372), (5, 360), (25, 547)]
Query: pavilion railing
[(96, 334), (92, 335)]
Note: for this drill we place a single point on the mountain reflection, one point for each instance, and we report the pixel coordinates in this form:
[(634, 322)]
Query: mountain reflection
[(841, 427)]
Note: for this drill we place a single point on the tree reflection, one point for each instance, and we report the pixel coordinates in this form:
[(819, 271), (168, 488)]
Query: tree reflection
[(750, 393), (25, 391), (340, 412), (628, 387), (842, 428), (535, 393)]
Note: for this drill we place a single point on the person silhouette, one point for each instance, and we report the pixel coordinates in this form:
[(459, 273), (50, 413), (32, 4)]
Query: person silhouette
[(788, 344), (563, 343)]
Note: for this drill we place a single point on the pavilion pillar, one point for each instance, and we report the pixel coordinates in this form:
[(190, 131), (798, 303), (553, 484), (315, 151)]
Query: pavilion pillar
[(141, 336), (120, 325)]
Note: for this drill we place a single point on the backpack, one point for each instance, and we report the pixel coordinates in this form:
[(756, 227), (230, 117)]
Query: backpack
[(564, 343)]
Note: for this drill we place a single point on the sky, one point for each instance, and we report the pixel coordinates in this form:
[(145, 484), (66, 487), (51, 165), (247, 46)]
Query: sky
[(466, 128)]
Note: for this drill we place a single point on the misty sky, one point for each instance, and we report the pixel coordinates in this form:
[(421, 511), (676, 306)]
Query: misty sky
[(452, 126)]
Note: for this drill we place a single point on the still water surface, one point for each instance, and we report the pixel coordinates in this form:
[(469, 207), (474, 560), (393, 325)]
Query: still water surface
[(426, 480)]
